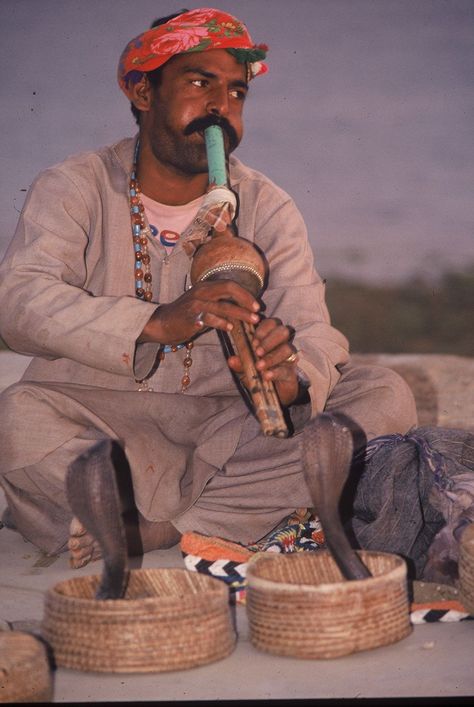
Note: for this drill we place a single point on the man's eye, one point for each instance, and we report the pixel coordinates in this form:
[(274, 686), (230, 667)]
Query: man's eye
[(201, 83), (238, 94)]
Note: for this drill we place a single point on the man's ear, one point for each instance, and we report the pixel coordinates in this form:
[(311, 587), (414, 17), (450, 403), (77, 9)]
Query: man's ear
[(140, 94)]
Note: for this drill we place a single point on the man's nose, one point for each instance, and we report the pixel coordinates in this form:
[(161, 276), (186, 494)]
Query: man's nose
[(218, 102)]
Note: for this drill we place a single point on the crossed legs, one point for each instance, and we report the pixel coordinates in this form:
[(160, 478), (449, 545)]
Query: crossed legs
[(377, 400)]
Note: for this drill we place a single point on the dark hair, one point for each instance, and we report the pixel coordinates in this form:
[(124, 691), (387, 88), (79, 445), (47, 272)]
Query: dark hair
[(154, 77)]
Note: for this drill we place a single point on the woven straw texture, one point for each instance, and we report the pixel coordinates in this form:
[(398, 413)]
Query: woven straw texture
[(169, 619), (24, 669), (299, 605), (466, 569)]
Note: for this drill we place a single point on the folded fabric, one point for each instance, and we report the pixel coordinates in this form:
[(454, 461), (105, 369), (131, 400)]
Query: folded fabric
[(415, 497), (444, 611)]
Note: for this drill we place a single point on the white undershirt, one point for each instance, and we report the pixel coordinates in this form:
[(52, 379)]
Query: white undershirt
[(168, 222)]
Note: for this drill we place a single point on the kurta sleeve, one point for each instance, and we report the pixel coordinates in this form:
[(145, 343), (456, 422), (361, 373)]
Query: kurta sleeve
[(295, 292), (55, 299)]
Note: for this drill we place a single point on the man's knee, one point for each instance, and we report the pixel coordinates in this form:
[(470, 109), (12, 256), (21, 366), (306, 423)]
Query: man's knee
[(32, 426), (394, 399), (377, 398), (397, 399)]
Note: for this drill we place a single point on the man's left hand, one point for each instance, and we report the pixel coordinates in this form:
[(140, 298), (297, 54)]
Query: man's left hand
[(276, 359)]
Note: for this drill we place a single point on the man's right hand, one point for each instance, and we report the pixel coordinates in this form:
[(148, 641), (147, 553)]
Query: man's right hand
[(206, 305)]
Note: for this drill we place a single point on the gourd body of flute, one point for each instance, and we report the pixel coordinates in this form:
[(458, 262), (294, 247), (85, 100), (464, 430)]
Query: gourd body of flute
[(229, 257)]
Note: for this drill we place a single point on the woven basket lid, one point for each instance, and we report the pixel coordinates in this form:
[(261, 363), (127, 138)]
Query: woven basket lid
[(466, 568), (25, 674)]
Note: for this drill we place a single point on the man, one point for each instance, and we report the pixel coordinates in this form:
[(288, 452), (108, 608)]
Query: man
[(96, 287)]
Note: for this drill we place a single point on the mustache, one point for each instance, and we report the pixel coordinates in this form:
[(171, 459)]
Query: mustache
[(200, 124)]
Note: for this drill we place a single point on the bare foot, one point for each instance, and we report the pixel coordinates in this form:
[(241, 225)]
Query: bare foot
[(82, 546), (157, 535)]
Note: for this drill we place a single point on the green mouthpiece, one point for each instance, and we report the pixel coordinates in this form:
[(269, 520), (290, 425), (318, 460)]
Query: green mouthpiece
[(215, 155)]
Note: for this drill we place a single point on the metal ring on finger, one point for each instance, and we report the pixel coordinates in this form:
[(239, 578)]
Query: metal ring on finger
[(292, 357), (199, 320)]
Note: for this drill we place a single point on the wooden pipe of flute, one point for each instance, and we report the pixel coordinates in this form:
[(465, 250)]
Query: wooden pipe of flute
[(263, 394)]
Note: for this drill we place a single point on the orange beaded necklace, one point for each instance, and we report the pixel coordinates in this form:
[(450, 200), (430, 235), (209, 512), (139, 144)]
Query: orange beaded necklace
[(143, 278)]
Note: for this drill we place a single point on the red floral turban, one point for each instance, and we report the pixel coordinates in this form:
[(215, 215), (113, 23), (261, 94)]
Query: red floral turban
[(196, 31)]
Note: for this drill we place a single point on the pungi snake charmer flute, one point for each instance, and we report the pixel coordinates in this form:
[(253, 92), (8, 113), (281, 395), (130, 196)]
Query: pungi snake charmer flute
[(227, 256)]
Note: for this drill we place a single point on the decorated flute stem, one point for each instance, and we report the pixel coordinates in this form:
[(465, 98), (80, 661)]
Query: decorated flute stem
[(266, 404)]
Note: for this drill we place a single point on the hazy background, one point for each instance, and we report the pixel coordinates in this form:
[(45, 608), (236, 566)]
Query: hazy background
[(366, 116)]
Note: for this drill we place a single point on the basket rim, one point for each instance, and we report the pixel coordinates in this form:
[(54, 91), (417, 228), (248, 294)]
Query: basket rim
[(398, 572), (215, 589)]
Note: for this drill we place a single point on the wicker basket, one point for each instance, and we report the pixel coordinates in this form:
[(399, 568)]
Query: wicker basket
[(466, 569), (169, 619), (25, 674), (299, 605)]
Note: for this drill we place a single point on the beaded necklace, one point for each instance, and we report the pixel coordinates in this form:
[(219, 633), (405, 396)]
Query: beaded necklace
[(143, 278)]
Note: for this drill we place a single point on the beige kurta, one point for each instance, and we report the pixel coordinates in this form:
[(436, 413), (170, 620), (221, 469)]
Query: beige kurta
[(67, 298)]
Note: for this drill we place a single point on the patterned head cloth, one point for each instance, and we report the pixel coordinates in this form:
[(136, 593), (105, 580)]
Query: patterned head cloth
[(195, 31)]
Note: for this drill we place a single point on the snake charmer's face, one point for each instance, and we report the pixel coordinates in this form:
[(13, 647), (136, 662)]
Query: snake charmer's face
[(195, 87)]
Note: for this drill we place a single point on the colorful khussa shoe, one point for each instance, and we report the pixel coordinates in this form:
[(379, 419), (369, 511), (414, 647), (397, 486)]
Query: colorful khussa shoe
[(227, 560)]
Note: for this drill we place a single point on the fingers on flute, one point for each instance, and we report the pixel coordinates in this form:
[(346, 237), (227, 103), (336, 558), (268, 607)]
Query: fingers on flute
[(225, 291), (271, 335), (277, 355), (220, 314), (235, 364), (275, 365), (213, 321)]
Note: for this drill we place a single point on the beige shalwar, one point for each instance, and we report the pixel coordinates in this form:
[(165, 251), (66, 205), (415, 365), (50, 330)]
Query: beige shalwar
[(196, 458)]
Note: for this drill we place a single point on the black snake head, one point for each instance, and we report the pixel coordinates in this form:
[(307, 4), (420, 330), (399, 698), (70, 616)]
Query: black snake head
[(93, 495), (327, 450)]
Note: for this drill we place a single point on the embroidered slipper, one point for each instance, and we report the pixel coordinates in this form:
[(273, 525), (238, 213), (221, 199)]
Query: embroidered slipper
[(227, 560)]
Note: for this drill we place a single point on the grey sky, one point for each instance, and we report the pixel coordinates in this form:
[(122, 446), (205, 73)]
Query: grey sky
[(365, 117)]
